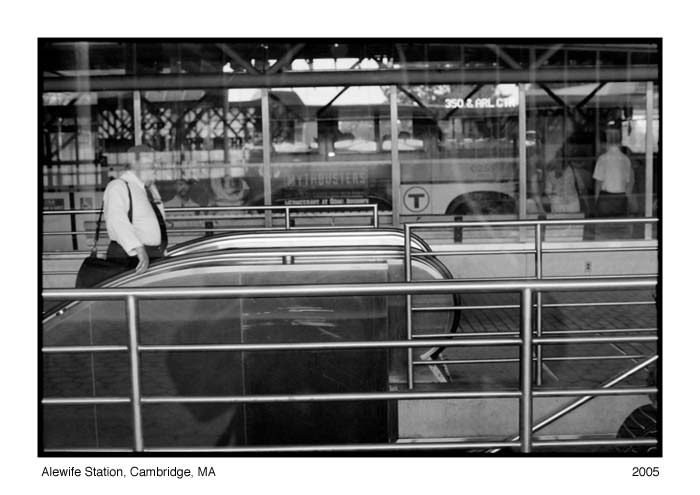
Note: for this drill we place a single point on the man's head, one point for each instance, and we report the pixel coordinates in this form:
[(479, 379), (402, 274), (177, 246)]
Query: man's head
[(142, 163), (613, 137), (182, 188)]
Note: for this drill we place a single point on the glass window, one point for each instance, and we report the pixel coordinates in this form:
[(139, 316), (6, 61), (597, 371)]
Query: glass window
[(329, 146), (458, 149), (207, 144), (587, 152)]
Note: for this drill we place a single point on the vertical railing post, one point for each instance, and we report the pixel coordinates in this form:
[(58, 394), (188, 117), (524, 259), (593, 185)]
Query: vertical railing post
[(287, 220), (538, 300), (132, 319), (375, 215), (526, 370), (409, 301)]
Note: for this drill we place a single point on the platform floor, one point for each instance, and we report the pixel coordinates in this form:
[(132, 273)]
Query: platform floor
[(559, 370), (581, 373)]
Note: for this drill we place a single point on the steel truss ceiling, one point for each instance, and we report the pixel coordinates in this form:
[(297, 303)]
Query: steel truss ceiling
[(118, 65)]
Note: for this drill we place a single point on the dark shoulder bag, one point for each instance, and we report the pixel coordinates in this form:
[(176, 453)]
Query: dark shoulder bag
[(96, 270)]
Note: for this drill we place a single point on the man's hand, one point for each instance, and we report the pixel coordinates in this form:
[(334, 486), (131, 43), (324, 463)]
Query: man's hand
[(143, 259)]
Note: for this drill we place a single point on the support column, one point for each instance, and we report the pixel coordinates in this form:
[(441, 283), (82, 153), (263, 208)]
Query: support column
[(522, 153), (649, 154), (224, 120), (267, 182), (138, 136), (522, 161), (395, 165)]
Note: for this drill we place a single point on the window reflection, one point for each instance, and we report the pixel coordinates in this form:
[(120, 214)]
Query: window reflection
[(458, 149), (206, 146), (569, 128), (331, 146), (457, 144)]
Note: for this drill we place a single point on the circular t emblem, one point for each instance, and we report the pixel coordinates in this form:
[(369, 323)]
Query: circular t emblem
[(416, 199)]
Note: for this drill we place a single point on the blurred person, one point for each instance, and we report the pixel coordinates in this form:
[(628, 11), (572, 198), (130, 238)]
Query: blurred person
[(560, 188), (632, 204), (231, 189), (613, 179), (535, 203), (182, 197), (141, 239)]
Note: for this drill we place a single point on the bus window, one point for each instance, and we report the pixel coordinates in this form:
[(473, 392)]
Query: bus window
[(458, 149), (328, 146)]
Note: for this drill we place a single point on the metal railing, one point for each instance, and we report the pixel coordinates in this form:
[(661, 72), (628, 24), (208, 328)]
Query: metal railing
[(286, 210), (525, 341), (538, 252)]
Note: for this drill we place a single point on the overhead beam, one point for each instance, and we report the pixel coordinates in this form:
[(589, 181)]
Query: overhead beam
[(328, 105), (546, 56), (516, 66), (203, 62), (350, 78), (591, 95), (286, 59), (296, 115), (556, 98), (466, 97), (231, 53), (504, 56), (419, 102)]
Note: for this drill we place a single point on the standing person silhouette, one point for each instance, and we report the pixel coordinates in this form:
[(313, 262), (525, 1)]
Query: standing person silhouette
[(613, 178), (560, 187), (134, 213)]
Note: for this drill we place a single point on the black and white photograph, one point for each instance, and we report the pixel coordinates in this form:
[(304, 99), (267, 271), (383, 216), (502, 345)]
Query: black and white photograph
[(353, 246), (352, 256)]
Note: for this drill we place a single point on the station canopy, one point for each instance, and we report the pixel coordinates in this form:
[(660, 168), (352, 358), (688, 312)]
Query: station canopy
[(165, 65)]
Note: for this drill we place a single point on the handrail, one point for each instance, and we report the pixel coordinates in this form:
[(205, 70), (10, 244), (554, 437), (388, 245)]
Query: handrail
[(525, 341), (411, 446), (375, 224), (286, 209), (225, 208), (338, 397), (373, 289), (582, 400), (538, 252), (534, 222), (355, 344)]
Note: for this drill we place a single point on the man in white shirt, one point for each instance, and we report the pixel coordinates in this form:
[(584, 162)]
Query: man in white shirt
[(614, 178), (141, 239)]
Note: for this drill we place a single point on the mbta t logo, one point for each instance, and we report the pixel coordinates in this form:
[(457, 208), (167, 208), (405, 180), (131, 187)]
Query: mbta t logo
[(416, 199)]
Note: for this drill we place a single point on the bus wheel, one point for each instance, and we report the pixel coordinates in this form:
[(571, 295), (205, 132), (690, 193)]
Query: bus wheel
[(482, 203)]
